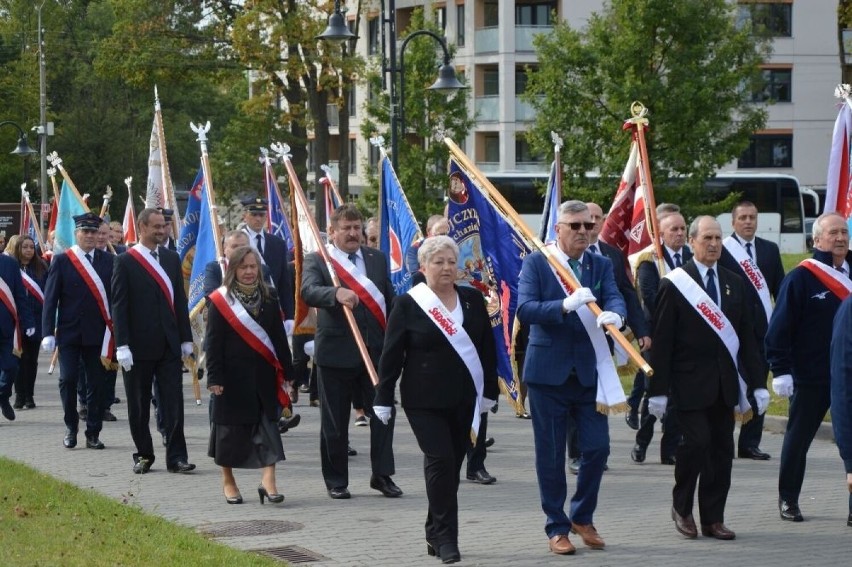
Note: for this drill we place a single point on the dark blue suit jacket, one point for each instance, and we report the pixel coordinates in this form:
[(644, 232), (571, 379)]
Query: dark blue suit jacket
[(10, 271), (36, 307), (558, 342), (80, 321), (648, 276)]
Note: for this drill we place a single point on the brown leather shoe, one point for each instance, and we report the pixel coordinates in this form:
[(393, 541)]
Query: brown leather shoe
[(589, 534), (685, 524), (560, 545), (717, 530)]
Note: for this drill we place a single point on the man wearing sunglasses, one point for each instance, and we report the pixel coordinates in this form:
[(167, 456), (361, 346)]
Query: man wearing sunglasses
[(569, 384)]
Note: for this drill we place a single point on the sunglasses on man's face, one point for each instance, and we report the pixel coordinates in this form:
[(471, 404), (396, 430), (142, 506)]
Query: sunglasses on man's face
[(577, 225)]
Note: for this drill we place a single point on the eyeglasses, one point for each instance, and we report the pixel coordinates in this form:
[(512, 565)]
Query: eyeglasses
[(577, 225)]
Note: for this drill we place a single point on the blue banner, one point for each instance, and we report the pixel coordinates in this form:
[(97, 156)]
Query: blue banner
[(69, 207), (189, 229), (398, 228), (490, 257), (552, 200), (276, 219), (205, 252)]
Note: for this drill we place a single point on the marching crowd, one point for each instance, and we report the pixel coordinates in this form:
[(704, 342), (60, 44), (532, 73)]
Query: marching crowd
[(712, 314)]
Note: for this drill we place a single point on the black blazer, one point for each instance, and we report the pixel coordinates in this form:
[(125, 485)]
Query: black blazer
[(649, 279), (142, 317), (335, 346), (249, 383), (79, 318), (635, 315), (769, 262), (690, 362), (433, 375)]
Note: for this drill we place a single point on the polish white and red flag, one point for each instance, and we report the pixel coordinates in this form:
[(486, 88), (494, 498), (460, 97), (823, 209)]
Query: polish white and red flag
[(626, 223), (129, 224), (838, 192)]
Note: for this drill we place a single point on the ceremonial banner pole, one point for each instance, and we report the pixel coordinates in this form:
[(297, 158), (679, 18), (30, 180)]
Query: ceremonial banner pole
[(25, 195), (557, 157), (327, 180), (168, 190), (52, 173), (283, 151), (104, 209), (639, 123), (537, 244)]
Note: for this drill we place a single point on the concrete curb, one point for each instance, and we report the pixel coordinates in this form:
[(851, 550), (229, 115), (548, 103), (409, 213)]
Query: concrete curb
[(778, 424)]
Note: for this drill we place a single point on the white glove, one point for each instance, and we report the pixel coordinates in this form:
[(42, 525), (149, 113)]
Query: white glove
[(186, 349), (783, 385), (761, 396), (383, 413), (657, 406), (124, 357), (30, 332), (288, 327), (580, 297), (609, 318), (309, 348), (48, 344), (487, 405)]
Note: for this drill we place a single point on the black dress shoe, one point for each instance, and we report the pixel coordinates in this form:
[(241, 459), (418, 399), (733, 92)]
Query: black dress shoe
[(142, 466), (574, 466), (350, 451), (286, 424), (489, 442), (790, 511), (385, 485), (30, 403), (638, 453), (19, 403), (339, 493), (6, 409), (83, 413), (632, 420), (753, 453), (70, 440), (685, 524), (449, 553), (109, 416), (718, 531), (181, 467), (93, 442), (482, 477), (668, 460), (116, 400)]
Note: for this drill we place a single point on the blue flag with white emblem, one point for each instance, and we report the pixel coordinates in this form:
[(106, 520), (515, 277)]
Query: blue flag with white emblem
[(205, 252), (276, 219), (398, 228)]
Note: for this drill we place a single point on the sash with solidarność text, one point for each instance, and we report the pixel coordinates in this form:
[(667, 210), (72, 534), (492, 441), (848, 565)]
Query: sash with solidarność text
[(752, 273)]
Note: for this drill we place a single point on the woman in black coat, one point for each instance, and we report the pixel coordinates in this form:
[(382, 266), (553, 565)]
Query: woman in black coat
[(34, 272), (442, 391), (244, 376)]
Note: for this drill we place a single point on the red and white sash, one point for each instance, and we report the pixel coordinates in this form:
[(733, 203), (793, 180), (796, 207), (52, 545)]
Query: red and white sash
[(93, 281), (9, 301), (610, 395), (32, 287), (156, 271), (751, 271), (835, 281), (252, 333), (458, 338), (712, 314), (363, 286)]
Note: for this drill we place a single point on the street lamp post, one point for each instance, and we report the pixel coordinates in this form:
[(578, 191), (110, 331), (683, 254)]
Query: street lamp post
[(23, 148), (446, 82)]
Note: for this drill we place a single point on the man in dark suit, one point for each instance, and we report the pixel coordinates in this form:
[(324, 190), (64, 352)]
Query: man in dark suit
[(76, 310), (695, 360), (564, 387), (275, 255), (15, 316), (367, 290), (675, 254), (102, 243), (152, 332), (742, 250), (169, 239)]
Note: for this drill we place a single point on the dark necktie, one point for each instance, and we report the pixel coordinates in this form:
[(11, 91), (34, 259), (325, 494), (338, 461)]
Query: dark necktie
[(678, 263), (89, 257), (748, 250), (841, 269), (575, 267), (155, 256), (259, 244), (593, 248), (712, 291), (354, 259)]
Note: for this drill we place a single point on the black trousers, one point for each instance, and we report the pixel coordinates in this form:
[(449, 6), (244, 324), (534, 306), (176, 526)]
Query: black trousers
[(443, 435), (808, 406), (704, 459), (336, 387), (476, 454), (27, 370), (138, 382), (671, 431), (71, 359), (752, 432)]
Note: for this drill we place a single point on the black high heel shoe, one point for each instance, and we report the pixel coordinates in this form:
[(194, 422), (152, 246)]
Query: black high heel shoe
[(273, 498), (449, 553), (238, 499)]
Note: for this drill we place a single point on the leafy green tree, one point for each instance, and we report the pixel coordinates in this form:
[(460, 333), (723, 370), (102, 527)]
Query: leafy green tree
[(422, 156), (687, 62)]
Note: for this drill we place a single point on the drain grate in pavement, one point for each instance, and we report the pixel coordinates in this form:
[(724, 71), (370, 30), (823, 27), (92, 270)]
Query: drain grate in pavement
[(291, 553), (250, 528)]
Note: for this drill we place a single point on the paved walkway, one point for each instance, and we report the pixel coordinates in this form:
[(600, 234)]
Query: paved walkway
[(501, 525)]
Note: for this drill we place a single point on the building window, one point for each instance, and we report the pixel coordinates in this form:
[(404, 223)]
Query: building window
[(776, 86), (534, 14), (491, 82), (492, 148), (523, 153), (374, 156), (775, 18), (768, 150), (353, 156), (312, 150), (441, 18), (521, 79), (373, 36), (353, 106), (491, 14), (460, 25)]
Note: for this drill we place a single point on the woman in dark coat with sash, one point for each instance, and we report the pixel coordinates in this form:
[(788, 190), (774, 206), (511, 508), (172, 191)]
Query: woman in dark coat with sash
[(34, 274), (448, 363), (247, 358)]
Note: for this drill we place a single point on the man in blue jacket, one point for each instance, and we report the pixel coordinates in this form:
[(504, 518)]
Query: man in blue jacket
[(568, 384), (841, 390), (797, 347)]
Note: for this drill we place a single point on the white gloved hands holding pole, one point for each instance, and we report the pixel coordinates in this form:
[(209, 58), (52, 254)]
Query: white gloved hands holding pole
[(580, 297)]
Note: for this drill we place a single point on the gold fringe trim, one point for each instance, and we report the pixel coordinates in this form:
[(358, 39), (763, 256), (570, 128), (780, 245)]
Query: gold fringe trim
[(286, 413), (612, 410), (744, 417), (109, 364)]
